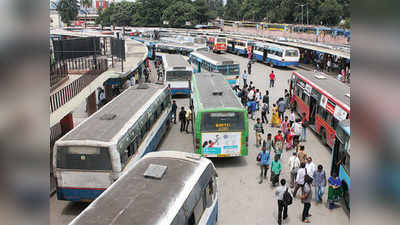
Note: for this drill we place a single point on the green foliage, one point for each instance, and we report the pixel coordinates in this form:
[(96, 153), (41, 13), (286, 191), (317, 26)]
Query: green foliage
[(68, 10), (331, 12), (179, 12)]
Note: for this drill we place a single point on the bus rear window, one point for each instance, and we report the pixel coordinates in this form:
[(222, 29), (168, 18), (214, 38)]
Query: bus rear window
[(291, 53), (222, 121), (83, 158), (178, 75), (221, 40)]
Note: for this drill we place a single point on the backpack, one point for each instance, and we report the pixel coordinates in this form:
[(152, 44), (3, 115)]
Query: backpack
[(287, 198)]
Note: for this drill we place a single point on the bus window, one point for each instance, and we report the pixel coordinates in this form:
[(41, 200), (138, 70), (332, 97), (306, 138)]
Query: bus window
[(198, 209), (323, 113), (222, 121), (291, 53), (334, 123), (209, 191), (296, 90), (83, 158), (346, 162), (279, 54)]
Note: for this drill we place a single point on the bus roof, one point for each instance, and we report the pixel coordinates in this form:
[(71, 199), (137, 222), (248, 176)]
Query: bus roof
[(176, 61), (136, 199), (345, 125), (124, 107), (207, 84), (329, 85), (213, 58)]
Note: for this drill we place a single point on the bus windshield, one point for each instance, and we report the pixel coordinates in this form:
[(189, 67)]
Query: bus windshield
[(291, 53), (178, 75), (221, 40), (83, 158), (222, 121)]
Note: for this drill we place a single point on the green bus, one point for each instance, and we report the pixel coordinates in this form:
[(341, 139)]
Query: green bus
[(220, 121)]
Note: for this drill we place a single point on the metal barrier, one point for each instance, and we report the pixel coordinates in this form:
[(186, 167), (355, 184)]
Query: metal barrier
[(58, 72), (65, 94)]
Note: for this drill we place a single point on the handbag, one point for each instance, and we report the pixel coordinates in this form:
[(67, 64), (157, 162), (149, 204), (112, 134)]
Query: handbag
[(258, 157)]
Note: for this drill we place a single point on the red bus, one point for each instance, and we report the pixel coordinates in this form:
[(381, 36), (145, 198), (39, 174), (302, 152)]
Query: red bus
[(324, 99), (218, 44)]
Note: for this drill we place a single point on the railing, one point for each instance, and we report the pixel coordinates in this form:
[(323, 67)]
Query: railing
[(82, 65), (58, 72), (65, 94)]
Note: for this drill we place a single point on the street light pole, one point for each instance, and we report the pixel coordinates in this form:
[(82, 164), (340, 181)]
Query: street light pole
[(307, 14)]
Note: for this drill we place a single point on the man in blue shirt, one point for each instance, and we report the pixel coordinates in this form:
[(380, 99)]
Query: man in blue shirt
[(264, 163)]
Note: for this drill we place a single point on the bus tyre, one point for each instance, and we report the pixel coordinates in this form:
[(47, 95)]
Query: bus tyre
[(346, 196)]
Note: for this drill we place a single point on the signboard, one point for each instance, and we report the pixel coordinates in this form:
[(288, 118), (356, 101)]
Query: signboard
[(339, 113), (221, 143), (118, 48)]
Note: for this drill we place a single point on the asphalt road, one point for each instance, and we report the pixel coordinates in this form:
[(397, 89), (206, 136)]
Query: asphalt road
[(242, 199)]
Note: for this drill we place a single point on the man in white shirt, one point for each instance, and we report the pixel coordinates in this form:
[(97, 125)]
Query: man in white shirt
[(133, 81), (294, 165), (310, 167), (279, 191), (301, 172), (244, 77), (237, 83)]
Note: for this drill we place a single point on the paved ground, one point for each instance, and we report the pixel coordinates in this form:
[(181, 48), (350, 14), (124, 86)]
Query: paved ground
[(242, 200)]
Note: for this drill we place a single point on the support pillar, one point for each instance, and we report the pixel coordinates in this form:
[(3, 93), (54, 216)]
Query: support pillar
[(67, 123), (91, 104)]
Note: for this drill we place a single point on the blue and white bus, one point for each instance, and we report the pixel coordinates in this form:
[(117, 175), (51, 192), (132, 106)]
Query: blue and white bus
[(177, 73), (165, 187), (240, 47), (340, 163), (203, 60), (90, 157), (276, 55)]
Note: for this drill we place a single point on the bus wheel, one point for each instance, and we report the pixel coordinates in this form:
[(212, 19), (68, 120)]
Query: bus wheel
[(346, 196)]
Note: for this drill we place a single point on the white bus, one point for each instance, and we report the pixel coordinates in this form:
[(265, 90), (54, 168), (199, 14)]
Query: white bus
[(276, 55), (178, 73), (99, 150), (163, 188)]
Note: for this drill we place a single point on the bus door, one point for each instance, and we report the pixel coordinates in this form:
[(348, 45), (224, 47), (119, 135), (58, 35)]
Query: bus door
[(198, 67), (265, 54), (313, 110), (335, 158)]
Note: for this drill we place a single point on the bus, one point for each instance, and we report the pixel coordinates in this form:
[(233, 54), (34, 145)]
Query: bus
[(165, 187), (99, 150), (220, 121), (340, 163), (324, 99), (178, 74), (218, 44), (276, 55), (240, 47), (215, 63)]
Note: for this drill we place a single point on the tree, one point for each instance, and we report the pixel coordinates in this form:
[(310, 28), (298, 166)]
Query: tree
[(232, 10), (68, 10), (331, 12), (86, 3), (178, 13)]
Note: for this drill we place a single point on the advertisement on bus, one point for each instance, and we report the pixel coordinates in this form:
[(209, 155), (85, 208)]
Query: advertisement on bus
[(226, 143)]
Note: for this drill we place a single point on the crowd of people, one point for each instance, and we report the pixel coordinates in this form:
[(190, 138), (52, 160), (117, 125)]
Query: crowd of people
[(290, 137)]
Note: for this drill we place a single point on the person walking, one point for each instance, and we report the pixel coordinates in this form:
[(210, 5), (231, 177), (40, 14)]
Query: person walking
[(278, 144), (189, 118), (302, 154), (182, 118), (282, 205), (237, 83), (244, 77), (259, 130), (276, 168), (269, 142), (275, 120), (294, 165), (292, 117), (264, 110), (319, 183), (334, 189), (301, 172), (264, 163), (297, 128), (173, 110), (284, 127), (281, 108), (266, 99), (271, 79), (258, 98), (310, 167), (249, 67), (306, 198), (304, 125), (328, 65)]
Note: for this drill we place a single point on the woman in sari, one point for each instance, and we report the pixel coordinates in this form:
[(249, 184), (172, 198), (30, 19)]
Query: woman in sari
[(289, 137), (275, 120), (334, 190)]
